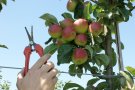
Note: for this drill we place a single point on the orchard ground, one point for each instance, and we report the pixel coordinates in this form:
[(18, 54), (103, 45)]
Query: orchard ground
[(16, 15)]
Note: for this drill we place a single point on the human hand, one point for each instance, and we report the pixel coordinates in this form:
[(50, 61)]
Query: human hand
[(40, 77)]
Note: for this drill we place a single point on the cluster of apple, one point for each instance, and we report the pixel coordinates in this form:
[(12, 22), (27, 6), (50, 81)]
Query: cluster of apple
[(75, 31)]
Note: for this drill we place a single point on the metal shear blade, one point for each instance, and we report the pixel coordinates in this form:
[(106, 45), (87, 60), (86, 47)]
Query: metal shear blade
[(30, 37)]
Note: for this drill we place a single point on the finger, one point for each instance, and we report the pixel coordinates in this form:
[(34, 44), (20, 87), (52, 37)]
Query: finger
[(53, 73), (55, 80), (20, 74), (19, 77), (41, 61), (47, 67)]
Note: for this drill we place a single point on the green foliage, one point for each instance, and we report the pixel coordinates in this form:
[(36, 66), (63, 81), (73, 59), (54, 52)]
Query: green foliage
[(4, 85), (100, 58), (49, 19), (86, 11), (59, 85), (3, 2), (75, 70), (92, 82), (131, 70), (127, 81), (64, 54), (67, 15), (78, 13), (102, 86), (73, 86), (3, 46), (50, 49)]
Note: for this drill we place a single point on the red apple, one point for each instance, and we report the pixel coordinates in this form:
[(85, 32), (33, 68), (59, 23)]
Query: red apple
[(66, 23), (68, 34), (95, 28), (81, 39), (81, 25), (79, 56), (71, 5), (55, 31)]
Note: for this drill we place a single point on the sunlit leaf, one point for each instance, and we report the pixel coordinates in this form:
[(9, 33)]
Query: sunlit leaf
[(131, 70)]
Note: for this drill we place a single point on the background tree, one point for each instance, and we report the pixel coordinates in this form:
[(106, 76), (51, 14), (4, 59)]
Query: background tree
[(4, 85)]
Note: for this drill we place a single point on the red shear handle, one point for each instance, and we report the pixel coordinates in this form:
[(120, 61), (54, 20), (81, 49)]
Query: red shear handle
[(27, 52), (39, 50)]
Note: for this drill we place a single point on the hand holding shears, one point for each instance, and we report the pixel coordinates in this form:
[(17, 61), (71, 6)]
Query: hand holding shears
[(30, 48)]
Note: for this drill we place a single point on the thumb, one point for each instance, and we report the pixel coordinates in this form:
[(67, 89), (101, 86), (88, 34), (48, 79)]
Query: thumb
[(20, 75), (19, 78)]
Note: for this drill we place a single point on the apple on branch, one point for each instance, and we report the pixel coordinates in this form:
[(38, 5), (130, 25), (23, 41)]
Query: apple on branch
[(81, 39), (71, 5), (55, 31), (66, 22), (68, 34), (81, 25), (79, 56), (95, 28)]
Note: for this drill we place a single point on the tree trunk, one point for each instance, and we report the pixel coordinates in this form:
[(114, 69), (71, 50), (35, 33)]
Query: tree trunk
[(108, 51)]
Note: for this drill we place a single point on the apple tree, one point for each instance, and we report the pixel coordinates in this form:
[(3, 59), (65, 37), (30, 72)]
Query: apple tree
[(84, 38)]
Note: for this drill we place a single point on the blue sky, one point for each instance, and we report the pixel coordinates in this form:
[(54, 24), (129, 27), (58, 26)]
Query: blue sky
[(16, 15)]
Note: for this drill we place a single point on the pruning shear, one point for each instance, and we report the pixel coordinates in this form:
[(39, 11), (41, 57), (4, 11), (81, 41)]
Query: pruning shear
[(30, 48)]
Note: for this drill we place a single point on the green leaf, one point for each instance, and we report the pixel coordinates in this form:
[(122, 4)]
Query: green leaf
[(132, 0), (97, 48), (123, 82), (131, 70), (94, 70), (112, 28), (67, 15), (104, 59), (98, 62), (0, 7), (92, 81), (87, 67), (47, 23), (78, 13), (75, 70), (4, 2), (98, 40), (72, 86), (102, 86), (64, 53), (86, 11), (122, 45), (125, 13), (50, 49), (72, 70), (95, 13), (128, 77), (89, 48), (3, 46), (79, 72), (114, 58), (50, 19)]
